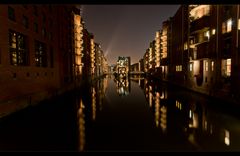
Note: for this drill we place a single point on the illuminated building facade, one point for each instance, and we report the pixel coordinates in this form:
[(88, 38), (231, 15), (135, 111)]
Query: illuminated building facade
[(152, 58), (203, 49), (92, 56), (157, 49), (78, 44), (145, 61), (35, 56), (101, 65), (165, 42), (88, 50), (44, 50), (199, 49), (213, 47), (123, 66)]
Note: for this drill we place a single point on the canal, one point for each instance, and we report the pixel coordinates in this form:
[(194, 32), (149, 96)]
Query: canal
[(132, 114)]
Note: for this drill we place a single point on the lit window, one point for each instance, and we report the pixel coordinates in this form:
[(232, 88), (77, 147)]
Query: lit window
[(200, 11), (185, 46), (195, 53), (206, 34), (227, 138), (179, 68), (223, 27), (229, 25), (190, 114), (18, 48), (213, 31), (206, 66), (238, 24), (40, 54), (212, 65), (190, 67), (228, 67)]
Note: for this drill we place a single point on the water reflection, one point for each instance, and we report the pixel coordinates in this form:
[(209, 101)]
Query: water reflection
[(156, 98), (81, 125), (184, 121), (123, 86), (90, 94), (192, 116)]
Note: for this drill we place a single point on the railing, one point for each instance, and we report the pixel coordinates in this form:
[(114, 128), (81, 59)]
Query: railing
[(201, 52), (200, 23)]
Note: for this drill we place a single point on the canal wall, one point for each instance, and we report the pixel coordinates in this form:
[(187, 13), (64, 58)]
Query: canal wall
[(21, 101), (11, 103), (13, 100), (218, 95)]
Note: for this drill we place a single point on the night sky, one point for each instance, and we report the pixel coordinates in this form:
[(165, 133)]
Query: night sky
[(125, 30)]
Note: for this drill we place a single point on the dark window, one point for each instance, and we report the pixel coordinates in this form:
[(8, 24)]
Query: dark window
[(51, 57), (35, 10), (40, 54), (35, 27), (50, 23), (25, 21), (14, 75), (11, 13), (50, 36), (44, 33), (28, 75), (50, 8), (44, 17), (25, 6), (18, 48)]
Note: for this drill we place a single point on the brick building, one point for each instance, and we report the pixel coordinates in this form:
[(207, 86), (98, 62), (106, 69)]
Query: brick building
[(37, 51)]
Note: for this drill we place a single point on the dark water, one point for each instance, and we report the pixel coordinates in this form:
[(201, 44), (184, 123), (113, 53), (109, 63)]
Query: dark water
[(123, 115)]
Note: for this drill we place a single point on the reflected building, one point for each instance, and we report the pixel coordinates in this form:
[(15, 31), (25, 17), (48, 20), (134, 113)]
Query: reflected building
[(177, 115), (89, 103), (157, 99), (180, 113), (94, 111), (123, 86), (81, 125), (101, 87)]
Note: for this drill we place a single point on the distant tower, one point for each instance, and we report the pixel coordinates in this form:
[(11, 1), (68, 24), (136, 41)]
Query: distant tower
[(81, 10)]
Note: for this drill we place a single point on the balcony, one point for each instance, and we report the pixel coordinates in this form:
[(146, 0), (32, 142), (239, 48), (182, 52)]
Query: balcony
[(200, 52), (200, 23), (164, 61)]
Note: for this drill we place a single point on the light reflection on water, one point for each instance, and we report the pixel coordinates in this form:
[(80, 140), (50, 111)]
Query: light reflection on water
[(185, 121)]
